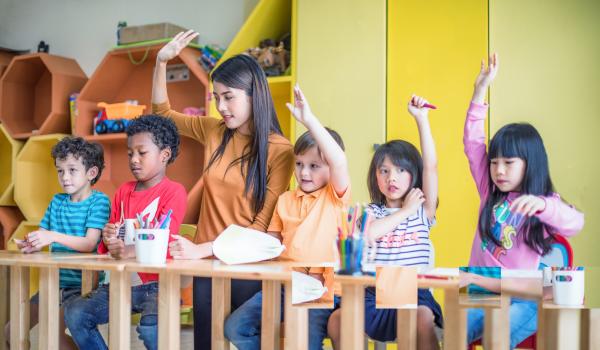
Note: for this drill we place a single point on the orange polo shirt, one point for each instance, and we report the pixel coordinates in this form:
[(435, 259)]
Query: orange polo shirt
[(308, 224)]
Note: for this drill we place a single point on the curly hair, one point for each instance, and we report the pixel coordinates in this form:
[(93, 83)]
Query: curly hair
[(163, 130), (90, 153)]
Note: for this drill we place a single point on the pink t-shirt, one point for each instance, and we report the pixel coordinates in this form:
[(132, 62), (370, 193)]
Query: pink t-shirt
[(560, 217)]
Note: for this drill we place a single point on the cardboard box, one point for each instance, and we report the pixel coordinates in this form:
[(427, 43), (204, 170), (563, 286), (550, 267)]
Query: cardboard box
[(134, 34)]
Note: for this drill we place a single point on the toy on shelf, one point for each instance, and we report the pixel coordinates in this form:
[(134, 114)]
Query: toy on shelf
[(273, 57), (114, 118), (211, 54)]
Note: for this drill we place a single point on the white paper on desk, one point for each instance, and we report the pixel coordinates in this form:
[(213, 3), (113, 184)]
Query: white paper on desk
[(306, 288), (240, 245)]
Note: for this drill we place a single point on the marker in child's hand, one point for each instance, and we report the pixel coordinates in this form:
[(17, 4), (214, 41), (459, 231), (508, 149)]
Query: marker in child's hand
[(430, 106)]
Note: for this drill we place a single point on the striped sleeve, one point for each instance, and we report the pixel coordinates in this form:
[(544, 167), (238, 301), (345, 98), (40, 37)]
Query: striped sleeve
[(98, 212), (46, 220)]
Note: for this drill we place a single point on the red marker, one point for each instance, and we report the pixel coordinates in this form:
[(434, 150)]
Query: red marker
[(426, 105)]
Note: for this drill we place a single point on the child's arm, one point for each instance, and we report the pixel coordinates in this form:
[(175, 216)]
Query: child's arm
[(380, 227), (489, 283), (332, 152), (42, 237), (474, 130), (552, 211), (430, 172)]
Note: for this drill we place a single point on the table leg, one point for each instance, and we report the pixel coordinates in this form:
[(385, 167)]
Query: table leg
[(406, 329), (19, 307), (169, 297), (4, 303), (296, 322), (48, 308), (496, 329), (87, 281), (455, 322), (119, 319), (353, 317), (221, 307), (271, 315)]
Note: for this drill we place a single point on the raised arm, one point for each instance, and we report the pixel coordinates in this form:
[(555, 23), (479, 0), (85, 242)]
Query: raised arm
[(416, 107), (333, 154)]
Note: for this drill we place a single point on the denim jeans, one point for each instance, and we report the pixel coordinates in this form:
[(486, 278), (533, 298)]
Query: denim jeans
[(523, 321), (242, 327), (84, 314)]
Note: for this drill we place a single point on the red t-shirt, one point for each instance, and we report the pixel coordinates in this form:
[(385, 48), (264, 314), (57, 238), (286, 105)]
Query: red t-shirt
[(152, 202)]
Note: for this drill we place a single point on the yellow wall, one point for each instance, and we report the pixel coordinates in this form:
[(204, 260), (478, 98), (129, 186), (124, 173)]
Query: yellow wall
[(434, 49), (341, 69), (549, 76)]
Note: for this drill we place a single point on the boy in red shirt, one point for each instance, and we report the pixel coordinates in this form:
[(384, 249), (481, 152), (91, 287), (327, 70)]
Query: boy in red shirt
[(153, 143)]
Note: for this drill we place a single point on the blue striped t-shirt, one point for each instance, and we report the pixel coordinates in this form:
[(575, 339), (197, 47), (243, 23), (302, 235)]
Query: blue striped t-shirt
[(73, 219), (408, 244)]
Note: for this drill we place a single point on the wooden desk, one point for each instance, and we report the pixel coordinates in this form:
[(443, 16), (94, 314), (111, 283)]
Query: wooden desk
[(353, 313), (272, 274), (49, 265)]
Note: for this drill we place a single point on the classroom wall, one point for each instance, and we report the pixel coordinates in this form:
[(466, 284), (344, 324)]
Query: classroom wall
[(341, 69), (434, 50), (549, 75), (86, 29)]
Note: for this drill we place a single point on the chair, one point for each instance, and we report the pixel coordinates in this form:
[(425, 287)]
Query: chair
[(560, 255)]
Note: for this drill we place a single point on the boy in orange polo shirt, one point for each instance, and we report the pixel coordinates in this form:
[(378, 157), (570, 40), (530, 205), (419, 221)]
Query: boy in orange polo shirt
[(306, 220)]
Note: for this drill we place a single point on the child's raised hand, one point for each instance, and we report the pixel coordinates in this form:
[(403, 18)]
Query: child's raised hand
[(300, 109), (174, 47), (413, 200), (416, 107), (528, 204), (487, 74)]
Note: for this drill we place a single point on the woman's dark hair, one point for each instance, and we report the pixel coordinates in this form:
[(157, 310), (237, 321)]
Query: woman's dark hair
[(402, 154), (90, 153), (163, 130), (520, 140), (243, 72)]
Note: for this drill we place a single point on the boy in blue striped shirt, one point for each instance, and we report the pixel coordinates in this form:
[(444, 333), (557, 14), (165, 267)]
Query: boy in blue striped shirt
[(74, 219)]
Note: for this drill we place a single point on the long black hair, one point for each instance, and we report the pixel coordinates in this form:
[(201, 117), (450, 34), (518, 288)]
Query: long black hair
[(402, 154), (243, 72), (520, 140)]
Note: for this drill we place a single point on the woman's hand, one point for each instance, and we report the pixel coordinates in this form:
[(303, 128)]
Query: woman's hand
[(174, 47)]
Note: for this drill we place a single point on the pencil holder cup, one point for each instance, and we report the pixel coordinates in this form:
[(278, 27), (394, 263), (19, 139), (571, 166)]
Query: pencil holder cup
[(151, 246), (568, 287), (351, 252)]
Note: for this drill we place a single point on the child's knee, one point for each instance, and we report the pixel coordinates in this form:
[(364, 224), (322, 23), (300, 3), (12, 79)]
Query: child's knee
[(334, 325), (425, 319)]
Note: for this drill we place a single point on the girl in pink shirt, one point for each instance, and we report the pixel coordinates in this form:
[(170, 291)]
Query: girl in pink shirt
[(519, 214)]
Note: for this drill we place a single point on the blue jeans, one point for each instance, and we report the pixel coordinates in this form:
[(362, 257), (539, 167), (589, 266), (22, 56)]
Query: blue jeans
[(242, 327), (523, 321), (84, 314), (241, 291)]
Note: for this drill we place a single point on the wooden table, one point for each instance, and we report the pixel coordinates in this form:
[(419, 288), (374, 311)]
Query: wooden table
[(49, 265), (272, 274), (353, 294)]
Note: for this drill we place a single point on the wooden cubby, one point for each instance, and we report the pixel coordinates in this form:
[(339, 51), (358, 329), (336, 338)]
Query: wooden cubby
[(9, 148), (10, 218), (37, 180), (34, 94), (126, 74)]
